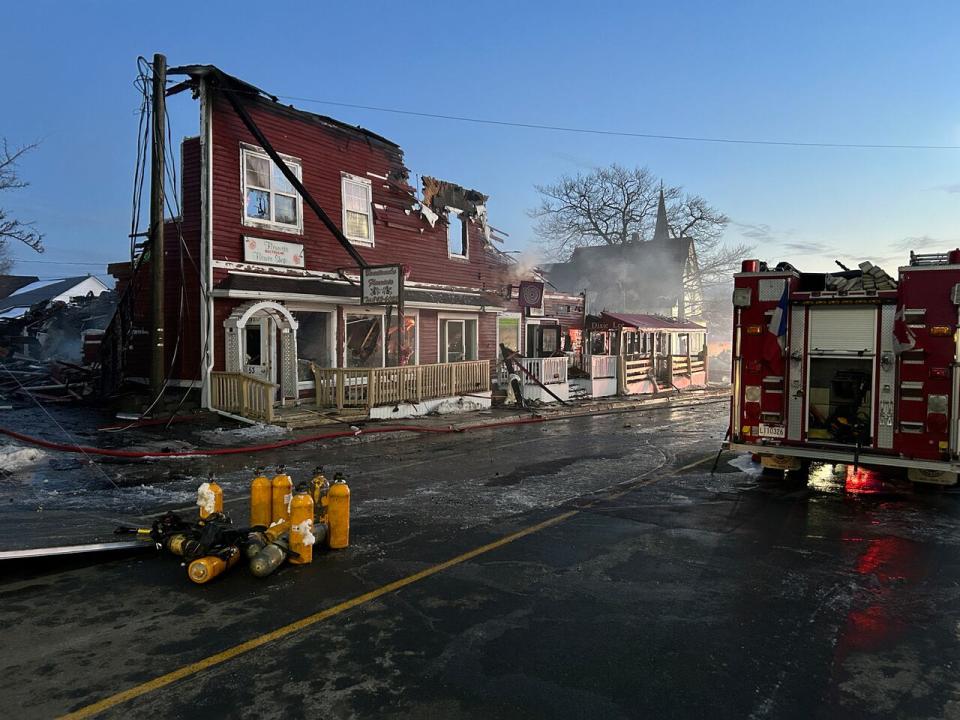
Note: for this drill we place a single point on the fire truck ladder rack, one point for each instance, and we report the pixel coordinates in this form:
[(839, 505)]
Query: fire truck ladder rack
[(922, 259)]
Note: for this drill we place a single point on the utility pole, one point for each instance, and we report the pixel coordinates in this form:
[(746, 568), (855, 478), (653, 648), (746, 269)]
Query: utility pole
[(157, 360)]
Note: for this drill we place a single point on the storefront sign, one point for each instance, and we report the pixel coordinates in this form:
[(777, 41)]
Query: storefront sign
[(531, 294), (272, 252), (595, 323), (381, 285)]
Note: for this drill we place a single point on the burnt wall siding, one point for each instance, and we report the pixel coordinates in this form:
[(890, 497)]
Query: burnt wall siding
[(428, 337), (182, 273), (324, 153)]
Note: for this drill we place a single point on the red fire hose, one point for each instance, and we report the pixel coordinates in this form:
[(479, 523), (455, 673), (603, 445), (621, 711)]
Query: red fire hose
[(140, 454)]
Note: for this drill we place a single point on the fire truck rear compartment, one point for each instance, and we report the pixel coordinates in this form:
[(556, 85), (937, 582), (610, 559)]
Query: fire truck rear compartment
[(840, 400)]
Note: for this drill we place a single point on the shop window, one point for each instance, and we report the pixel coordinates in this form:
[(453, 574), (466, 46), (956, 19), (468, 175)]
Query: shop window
[(269, 198), (408, 353), (456, 234), (683, 344), (598, 343), (314, 340), (458, 340), (509, 332), (364, 340), (543, 340)]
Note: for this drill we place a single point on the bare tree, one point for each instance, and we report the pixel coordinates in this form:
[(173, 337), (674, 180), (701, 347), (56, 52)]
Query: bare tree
[(12, 228), (618, 206)]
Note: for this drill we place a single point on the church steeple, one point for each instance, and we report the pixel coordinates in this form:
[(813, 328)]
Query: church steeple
[(662, 230)]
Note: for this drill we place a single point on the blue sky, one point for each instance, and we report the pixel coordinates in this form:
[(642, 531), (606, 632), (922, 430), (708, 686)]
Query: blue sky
[(870, 72)]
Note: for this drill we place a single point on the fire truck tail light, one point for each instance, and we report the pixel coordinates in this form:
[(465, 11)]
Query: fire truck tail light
[(752, 393), (754, 329), (940, 373), (941, 330)]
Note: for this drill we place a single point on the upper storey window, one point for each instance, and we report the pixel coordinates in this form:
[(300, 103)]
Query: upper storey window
[(357, 209), (269, 199)]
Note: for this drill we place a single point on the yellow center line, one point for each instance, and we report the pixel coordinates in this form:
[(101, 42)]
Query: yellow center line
[(310, 620)]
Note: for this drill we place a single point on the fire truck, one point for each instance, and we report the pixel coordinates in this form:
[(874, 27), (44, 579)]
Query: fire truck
[(852, 367)]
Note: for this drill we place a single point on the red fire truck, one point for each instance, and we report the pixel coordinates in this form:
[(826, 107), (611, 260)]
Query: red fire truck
[(852, 367)]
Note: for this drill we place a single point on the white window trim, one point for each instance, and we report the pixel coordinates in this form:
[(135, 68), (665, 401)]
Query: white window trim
[(247, 149), (441, 352), (465, 235), (304, 307), (346, 177)]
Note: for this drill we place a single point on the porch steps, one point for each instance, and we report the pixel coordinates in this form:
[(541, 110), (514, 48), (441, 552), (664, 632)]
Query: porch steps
[(578, 392), (297, 418)]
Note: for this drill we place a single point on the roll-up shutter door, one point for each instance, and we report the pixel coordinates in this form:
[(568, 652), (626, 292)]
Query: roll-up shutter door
[(844, 328)]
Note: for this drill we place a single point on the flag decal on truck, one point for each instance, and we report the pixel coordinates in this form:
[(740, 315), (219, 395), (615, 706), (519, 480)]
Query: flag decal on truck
[(775, 339)]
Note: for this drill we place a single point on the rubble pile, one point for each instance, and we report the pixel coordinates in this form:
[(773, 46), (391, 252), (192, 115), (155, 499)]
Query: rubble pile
[(869, 277), (53, 381)]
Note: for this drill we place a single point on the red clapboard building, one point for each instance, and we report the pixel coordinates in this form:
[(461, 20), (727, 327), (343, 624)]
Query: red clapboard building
[(257, 286)]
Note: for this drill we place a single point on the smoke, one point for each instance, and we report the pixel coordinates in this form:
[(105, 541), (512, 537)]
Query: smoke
[(525, 264)]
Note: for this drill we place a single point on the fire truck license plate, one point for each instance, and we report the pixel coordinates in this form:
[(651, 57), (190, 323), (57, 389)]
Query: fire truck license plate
[(772, 431)]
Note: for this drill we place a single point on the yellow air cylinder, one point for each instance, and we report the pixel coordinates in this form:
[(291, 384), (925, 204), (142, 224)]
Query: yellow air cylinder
[(207, 568), (338, 513), (301, 527), (319, 487), (261, 500), (282, 489), (209, 498)]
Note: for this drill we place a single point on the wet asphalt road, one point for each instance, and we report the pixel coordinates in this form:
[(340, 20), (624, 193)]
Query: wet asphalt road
[(688, 595)]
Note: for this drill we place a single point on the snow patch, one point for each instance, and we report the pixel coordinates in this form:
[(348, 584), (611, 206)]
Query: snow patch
[(744, 463), (17, 457), (222, 436)]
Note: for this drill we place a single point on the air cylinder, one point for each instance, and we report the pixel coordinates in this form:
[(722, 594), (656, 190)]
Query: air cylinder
[(282, 489), (207, 568), (209, 498), (261, 500), (301, 527), (338, 513)]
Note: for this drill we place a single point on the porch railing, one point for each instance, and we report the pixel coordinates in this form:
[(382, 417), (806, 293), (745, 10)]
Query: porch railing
[(244, 395), (549, 371), (603, 366), (370, 387), (633, 371)]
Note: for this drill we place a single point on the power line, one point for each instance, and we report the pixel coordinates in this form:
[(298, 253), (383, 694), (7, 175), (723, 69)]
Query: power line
[(624, 133), (60, 262)]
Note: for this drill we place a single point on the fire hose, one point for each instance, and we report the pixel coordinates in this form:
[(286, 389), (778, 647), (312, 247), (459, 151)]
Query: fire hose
[(143, 454)]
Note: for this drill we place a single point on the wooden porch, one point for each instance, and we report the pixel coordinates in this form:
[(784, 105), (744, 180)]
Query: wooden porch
[(343, 395)]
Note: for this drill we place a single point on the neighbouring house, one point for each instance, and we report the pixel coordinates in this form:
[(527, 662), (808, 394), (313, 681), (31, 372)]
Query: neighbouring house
[(19, 302), (262, 298), (660, 276), (55, 319), (11, 283)]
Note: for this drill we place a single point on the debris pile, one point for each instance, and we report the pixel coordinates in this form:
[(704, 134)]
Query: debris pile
[(286, 524), (54, 381), (869, 277)]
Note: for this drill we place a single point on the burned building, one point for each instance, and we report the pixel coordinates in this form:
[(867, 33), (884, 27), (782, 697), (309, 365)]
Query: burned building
[(265, 288), (659, 276)]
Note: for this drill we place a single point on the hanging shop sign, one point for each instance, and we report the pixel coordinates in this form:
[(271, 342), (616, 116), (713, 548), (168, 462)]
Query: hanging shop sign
[(272, 252), (531, 294), (381, 285)]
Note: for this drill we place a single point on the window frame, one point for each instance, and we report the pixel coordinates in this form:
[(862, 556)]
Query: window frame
[(345, 178), (464, 234), (441, 336), (296, 165)]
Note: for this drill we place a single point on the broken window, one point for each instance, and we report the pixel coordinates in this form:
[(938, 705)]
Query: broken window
[(408, 353), (357, 208), (364, 341), (314, 342), (456, 234), (268, 196)]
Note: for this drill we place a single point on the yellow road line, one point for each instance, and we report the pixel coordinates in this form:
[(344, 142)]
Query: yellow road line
[(282, 632)]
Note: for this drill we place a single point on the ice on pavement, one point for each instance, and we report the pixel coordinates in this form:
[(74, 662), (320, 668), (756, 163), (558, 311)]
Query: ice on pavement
[(745, 463), (17, 457)]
